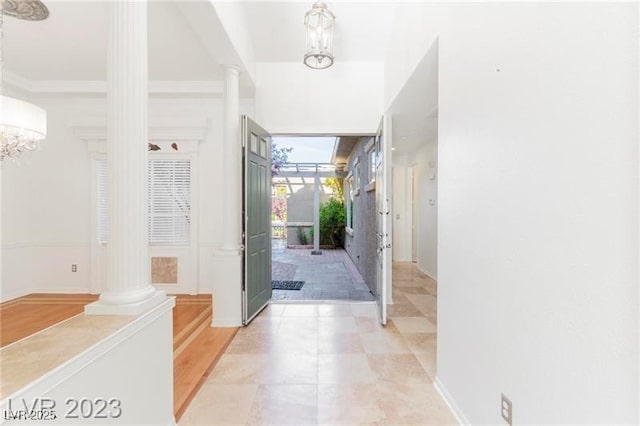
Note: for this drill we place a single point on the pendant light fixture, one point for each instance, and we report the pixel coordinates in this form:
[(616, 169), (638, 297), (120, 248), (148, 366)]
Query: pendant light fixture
[(22, 126), (319, 22)]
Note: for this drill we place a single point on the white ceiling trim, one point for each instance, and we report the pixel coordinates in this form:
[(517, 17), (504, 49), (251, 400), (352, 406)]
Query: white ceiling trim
[(100, 86), (99, 133)]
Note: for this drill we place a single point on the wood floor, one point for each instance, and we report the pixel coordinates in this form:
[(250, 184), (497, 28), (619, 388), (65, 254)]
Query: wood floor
[(196, 345)]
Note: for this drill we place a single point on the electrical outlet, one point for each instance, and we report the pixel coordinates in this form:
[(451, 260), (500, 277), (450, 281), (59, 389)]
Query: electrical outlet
[(506, 410), (74, 268)]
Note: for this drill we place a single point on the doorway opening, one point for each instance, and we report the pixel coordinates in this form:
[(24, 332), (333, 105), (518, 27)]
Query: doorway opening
[(319, 220)]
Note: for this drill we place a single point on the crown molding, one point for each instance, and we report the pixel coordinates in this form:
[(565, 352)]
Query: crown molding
[(188, 138), (156, 87)]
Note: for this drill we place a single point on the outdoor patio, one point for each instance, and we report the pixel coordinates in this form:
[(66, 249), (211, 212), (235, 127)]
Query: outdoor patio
[(329, 276)]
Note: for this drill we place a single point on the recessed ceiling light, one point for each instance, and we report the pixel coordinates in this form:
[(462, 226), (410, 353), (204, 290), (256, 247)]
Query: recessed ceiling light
[(404, 138), (393, 148)]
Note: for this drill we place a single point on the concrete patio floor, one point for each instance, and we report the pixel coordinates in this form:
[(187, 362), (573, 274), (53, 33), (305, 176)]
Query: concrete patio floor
[(329, 276)]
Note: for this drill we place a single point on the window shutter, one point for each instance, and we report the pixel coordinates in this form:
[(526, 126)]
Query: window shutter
[(169, 201), (102, 201)]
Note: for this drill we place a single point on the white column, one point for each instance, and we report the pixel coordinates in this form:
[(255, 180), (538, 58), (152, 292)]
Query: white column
[(232, 158), (128, 290), (227, 261), (316, 215)]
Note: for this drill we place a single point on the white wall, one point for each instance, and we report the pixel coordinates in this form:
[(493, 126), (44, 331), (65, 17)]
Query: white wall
[(420, 168), (402, 214), (538, 212), (16, 255), (344, 99), (415, 27), (425, 167), (46, 204)]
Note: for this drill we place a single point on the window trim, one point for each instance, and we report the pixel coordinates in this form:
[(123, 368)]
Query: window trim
[(356, 174), (349, 203), (193, 191), (370, 150)]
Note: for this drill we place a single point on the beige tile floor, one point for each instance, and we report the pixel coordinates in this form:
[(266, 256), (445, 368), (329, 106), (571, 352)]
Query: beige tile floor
[(331, 364)]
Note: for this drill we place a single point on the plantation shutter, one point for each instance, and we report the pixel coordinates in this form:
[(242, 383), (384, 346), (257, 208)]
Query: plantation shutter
[(102, 201), (169, 201)]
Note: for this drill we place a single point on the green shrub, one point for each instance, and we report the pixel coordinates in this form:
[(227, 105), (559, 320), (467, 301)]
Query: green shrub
[(303, 238), (332, 223)]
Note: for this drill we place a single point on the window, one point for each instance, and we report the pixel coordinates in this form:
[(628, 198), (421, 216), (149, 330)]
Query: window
[(370, 149), (169, 201), (102, 203), (350, 199), (356, 175)]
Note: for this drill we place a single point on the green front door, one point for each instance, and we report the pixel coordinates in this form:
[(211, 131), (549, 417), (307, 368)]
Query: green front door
[(256, 209)]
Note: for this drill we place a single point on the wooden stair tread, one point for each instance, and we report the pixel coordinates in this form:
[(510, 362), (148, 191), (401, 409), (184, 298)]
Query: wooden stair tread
[(193, 365), (191, 318)]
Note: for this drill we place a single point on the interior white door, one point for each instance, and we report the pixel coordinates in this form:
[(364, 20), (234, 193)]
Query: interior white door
[(256, 211), (383, 220)]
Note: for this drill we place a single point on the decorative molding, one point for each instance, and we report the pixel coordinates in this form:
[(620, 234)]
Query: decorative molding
[(46, 244), (157, 87), (180, 133), (451, 403), (96, 136), (64, 290), (10, 246)]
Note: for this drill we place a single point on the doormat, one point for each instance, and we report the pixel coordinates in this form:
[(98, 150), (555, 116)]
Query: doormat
[(286, 285)]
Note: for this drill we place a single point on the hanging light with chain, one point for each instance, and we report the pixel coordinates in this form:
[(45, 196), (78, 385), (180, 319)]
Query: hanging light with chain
[(319, 22)]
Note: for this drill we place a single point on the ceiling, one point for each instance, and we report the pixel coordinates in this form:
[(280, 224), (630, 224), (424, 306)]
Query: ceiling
[(187, 41), (72, 43)]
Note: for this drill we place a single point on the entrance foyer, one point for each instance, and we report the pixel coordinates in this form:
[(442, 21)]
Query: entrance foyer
[(331, 364)]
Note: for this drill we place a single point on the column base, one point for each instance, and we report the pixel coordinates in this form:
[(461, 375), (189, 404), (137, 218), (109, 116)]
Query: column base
[(137, 308), (227, 288)]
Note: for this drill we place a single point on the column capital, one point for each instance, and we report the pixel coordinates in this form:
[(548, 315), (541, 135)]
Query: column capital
[(231, 67)]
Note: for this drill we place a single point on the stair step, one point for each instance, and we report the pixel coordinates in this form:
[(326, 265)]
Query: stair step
[(195, 361), (202, 314)]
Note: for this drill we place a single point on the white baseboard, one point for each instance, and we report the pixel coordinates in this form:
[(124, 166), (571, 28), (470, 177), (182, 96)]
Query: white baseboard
[(451, 403), (225, 322), (427, 272)]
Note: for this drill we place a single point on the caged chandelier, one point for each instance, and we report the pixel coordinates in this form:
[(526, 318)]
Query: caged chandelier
[(319, 22), (22, 126)]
